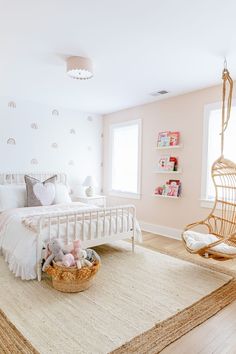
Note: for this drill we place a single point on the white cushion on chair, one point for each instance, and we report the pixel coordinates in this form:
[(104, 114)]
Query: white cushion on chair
[(196, 240)]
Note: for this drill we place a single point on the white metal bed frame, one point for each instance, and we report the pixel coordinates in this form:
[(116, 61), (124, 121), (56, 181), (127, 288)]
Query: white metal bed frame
[(70, 219)]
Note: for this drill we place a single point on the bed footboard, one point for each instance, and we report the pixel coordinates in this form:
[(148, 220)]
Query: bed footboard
[(93, 227)]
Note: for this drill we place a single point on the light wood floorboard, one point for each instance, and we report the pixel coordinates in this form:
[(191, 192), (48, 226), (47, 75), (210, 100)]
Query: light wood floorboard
[(218, 334)]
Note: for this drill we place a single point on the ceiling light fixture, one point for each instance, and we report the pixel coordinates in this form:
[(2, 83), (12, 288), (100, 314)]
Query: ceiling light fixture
[(79, 68)]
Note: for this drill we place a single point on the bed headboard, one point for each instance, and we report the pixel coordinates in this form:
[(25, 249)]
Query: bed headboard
[(18, 178)]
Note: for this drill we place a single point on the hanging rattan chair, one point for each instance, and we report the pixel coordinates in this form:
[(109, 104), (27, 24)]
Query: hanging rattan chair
[(220, 241)]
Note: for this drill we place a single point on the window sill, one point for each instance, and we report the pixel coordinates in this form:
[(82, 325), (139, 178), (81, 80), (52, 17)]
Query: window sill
[(125, 195), (207, 203)]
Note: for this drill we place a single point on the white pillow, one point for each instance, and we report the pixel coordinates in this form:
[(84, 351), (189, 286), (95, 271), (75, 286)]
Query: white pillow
[(12, 196), (62, 194)]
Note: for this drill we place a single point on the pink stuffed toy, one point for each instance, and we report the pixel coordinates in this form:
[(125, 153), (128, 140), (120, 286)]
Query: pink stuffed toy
[(77, 251), (76, 248), (68, 260), (80, 255)]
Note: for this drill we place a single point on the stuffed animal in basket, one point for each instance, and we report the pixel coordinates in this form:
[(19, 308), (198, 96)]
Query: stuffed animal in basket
[(56, 253), (76, 253), (92, 255), (76, 248), (80, 255), (68, 260), (82, 261)]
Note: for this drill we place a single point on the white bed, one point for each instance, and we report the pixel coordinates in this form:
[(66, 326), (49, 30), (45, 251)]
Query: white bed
[(25, 231)]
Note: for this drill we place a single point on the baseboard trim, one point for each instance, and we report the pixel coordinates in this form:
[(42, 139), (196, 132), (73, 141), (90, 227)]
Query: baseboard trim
[(161, 230)]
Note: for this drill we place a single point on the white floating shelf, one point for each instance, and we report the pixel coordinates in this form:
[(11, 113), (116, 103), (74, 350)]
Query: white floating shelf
[(169, 147), (165, 196), (169, 172)]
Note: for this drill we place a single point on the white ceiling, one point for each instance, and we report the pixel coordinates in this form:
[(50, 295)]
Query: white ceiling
[(137, 46)]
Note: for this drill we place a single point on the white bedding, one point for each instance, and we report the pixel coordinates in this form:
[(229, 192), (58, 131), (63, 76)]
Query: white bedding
[(18, 235)]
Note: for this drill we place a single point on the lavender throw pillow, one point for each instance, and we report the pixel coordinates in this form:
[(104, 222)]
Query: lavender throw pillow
[(40, 193)]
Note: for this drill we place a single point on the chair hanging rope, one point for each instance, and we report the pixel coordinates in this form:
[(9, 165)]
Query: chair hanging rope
[(220, 241), (226, 110)]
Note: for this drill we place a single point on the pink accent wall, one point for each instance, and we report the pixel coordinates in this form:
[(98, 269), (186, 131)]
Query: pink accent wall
[(183, 113)]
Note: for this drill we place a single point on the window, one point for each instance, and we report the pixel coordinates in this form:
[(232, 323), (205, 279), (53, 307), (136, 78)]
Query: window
[(212, 146), (125, 159)]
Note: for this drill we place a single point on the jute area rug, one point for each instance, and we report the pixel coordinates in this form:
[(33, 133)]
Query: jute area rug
[(138, 304)]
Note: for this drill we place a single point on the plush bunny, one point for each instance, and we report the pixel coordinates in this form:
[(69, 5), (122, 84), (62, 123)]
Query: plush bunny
[(80, 255), (76, 253), (68, 260), (55, 249), (76, 248)]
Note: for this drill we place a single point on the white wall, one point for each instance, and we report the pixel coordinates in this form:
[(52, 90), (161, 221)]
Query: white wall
[(77, 154)]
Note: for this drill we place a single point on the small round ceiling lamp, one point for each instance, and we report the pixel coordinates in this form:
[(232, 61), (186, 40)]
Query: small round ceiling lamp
[(79, 68)]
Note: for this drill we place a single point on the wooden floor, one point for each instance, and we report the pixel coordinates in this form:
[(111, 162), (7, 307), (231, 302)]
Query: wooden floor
[(218, 334)]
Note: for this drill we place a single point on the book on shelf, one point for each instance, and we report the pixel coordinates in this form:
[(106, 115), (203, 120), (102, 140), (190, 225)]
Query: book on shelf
[(174, 138), (167, 163), (167, 138), (163, 139), (171, 188)]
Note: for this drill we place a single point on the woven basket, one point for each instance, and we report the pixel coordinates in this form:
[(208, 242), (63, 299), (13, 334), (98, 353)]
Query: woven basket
[(72, 280)]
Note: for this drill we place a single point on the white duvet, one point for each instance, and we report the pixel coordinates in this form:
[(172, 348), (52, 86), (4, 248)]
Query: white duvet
[(18, 237)]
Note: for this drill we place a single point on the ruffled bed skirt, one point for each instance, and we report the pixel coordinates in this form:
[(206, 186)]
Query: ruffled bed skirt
[(25, 272)]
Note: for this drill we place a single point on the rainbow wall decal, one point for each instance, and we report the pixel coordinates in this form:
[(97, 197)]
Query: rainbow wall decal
[(34, 126), (55, 112), (11, 141), (34, 162), (11, 104)]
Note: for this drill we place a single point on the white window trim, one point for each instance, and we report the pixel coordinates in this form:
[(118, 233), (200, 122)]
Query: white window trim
[(206, 202), (117, 193)]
